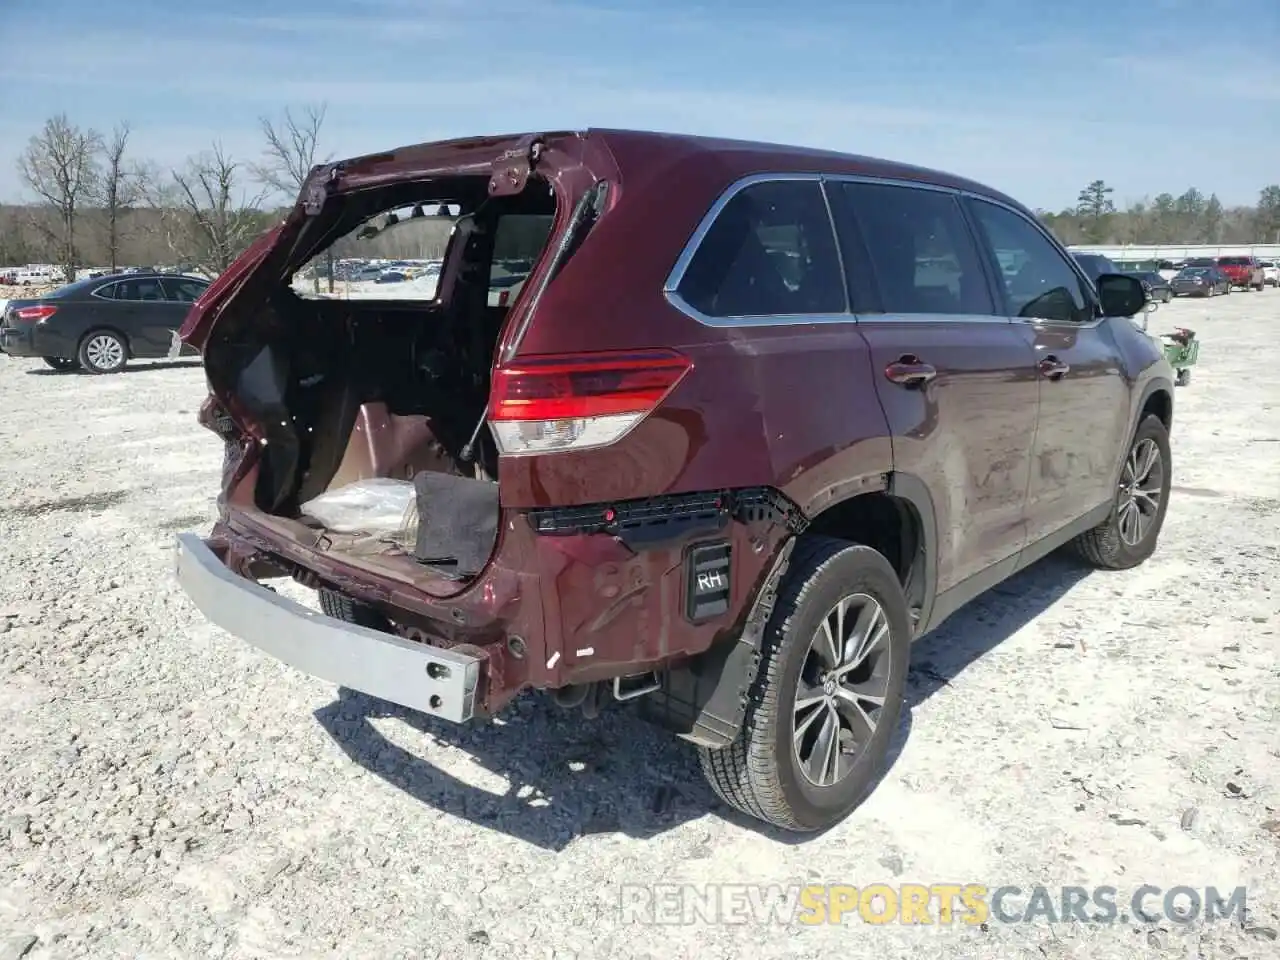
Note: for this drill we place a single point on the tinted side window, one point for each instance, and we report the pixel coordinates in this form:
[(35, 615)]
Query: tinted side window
[(1038, 280), (148, 289), (770, 252), (107, 291), (183, 289), (921, 250)]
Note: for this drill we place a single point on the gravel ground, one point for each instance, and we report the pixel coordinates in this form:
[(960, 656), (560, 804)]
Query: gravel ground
[(168, 792)]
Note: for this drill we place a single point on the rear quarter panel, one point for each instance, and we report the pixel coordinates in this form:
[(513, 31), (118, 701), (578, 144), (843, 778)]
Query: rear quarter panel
[(786, 406)]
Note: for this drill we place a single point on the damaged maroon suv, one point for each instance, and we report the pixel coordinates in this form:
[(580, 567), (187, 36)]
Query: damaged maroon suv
[(711, 426)]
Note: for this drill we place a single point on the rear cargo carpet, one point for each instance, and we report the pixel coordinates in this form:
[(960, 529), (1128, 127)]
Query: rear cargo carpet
[(457, 521)]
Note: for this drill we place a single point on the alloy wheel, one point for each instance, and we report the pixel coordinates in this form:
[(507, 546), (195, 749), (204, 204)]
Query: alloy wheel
[(843, 683), (1141, 487), (105, 352)]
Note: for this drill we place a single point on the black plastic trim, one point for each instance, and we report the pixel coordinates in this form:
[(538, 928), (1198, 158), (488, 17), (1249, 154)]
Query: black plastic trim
[(645, 523)]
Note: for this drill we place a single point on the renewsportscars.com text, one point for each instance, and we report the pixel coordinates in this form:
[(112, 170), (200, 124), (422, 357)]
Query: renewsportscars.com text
[(924, 904)]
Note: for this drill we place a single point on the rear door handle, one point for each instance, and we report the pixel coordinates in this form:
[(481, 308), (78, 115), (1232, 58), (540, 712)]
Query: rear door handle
[(910, 371), (1053, 368)]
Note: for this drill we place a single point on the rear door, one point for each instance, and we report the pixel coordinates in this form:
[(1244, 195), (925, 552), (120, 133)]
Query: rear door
[(150, 314), (1084, 390), (956, 379)]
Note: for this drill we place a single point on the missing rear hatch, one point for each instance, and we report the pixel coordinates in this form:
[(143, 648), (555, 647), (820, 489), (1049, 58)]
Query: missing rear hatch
[(371, 361)]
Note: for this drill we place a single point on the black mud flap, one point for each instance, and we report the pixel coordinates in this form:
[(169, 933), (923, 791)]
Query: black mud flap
[(705, 702)]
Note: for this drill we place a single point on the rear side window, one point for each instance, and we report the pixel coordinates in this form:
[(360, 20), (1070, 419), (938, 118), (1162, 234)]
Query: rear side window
[(107, 291), (140, 290), (1042, 284), (921, 250), (1233, 261), (770, 252)]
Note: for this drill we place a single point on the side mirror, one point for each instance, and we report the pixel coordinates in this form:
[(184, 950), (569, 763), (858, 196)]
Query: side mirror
[(1121, 295)]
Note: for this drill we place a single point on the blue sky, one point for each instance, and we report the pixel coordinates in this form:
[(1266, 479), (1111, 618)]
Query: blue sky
[(1036, 98)]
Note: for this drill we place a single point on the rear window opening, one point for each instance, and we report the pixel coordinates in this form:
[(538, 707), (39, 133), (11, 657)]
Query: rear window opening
[(366, 371)]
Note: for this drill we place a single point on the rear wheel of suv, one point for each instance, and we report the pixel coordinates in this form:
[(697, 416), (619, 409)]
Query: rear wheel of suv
[(103, 351), (1128, 536), (829, 693)]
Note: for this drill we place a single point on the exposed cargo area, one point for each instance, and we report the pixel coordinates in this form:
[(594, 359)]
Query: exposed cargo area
[(370, 411)]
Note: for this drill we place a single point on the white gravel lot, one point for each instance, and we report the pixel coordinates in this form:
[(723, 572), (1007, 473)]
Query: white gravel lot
[(169, 792)]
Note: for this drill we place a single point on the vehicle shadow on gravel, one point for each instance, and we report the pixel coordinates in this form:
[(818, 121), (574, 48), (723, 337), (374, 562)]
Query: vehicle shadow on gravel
[(571, 777), (142, 367)]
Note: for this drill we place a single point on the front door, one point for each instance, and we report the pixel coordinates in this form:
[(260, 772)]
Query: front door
[(182, 292), (956, 379), (1084, 392)]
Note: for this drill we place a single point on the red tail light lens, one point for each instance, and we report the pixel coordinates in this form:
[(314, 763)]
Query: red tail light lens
[(34, 314), (574, 402)]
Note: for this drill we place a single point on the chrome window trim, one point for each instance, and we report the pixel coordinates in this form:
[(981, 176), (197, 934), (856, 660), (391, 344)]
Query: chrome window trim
[(96, 291), (910, 318), (674, 278)]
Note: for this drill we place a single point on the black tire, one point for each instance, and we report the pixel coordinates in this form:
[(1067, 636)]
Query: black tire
[(61, 364), (1105, 546), (760, 773), (103, 351), (341, 607), (1165, 296)]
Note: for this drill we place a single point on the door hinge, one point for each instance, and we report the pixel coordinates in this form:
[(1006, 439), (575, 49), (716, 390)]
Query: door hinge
[(316, 191), (511, 170)]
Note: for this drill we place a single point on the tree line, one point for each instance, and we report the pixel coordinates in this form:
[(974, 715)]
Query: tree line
[(1191, 218), (96, 204)]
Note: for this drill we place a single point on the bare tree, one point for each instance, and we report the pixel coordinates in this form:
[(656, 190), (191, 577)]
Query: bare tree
[(60, 166), (292, 149), (220, 217), (120, 187)]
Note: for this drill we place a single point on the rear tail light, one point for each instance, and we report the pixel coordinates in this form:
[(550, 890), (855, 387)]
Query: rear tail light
[(577, 402), (34, 314)]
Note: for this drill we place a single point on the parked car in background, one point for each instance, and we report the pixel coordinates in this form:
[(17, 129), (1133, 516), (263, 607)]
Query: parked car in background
[(391, 276), (1270, 272), (1200, 282), (1095, 264), (100, 324), (725, 452), (1244, 272), (1157, 286)]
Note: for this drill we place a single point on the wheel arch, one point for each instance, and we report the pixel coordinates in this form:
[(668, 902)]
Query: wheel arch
[(896, 517), (1157, 398)]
